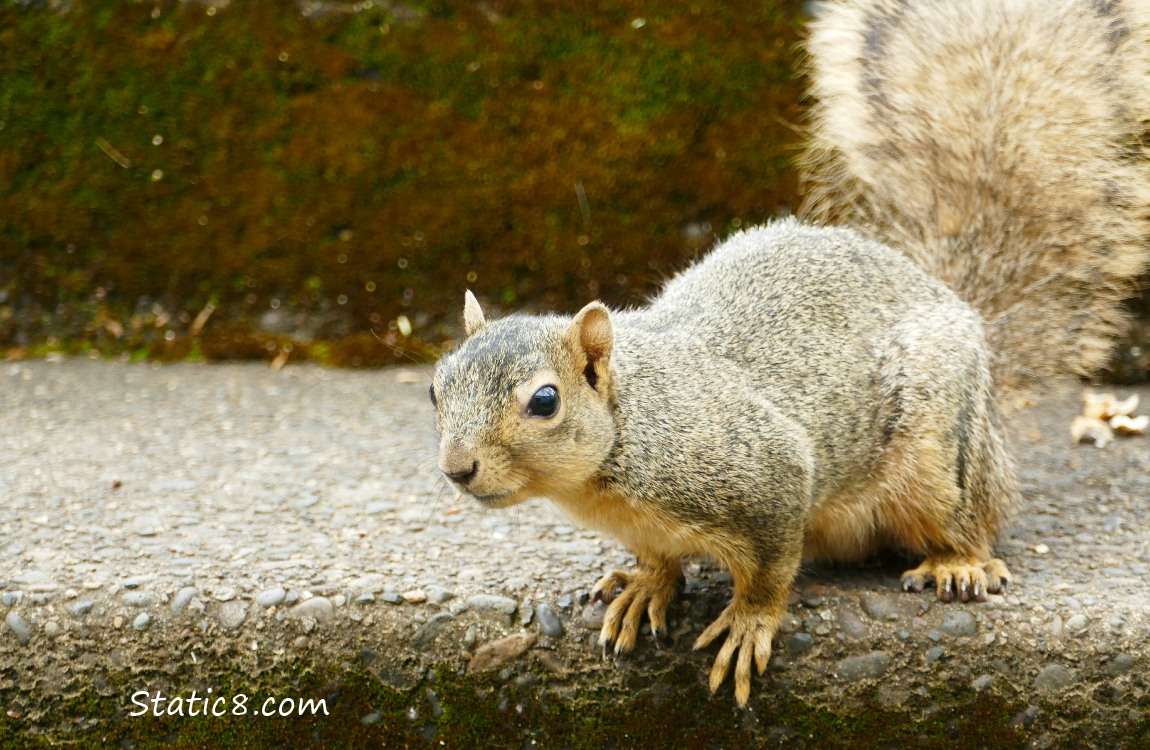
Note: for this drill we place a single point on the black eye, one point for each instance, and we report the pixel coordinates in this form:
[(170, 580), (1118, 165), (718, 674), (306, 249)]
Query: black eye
[(544, 403), (431, 394)]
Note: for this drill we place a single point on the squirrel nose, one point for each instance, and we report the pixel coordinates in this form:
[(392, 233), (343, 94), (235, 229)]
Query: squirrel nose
[(457, 461), (463, 476)]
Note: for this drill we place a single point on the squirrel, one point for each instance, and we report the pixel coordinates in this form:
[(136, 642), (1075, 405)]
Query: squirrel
[(817, 391)]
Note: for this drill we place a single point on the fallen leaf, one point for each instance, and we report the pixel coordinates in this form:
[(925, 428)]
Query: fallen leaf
[(493, 655), (1107, 405), (1091, 430), (1125, 425), (409, 377)]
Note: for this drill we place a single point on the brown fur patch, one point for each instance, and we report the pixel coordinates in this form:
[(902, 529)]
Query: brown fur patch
[(905, 503), (649, 530)]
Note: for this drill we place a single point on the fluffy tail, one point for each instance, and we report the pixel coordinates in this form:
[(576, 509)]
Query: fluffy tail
[(997, 143)]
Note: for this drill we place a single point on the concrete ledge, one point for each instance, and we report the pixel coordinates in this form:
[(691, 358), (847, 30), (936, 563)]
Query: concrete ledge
[(282, 535)]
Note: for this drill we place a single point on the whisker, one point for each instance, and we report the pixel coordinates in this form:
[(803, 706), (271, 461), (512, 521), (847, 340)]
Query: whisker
[(421, 468), (431, 511), (401, 351)]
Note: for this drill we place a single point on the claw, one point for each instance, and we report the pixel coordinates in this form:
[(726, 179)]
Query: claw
[(912, 582), (609, 586), (603, 594)]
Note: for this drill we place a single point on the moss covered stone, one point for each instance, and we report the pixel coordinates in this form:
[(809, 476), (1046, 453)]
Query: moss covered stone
[(314, 171)]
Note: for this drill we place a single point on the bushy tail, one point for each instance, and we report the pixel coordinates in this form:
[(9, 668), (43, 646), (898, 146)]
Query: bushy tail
[(998, 144)]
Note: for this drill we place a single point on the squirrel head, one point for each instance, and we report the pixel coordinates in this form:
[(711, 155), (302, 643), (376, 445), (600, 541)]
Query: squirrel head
[(524, 406)]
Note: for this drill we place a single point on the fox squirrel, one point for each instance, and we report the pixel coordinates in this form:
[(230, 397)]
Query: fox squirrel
[(821, 392)]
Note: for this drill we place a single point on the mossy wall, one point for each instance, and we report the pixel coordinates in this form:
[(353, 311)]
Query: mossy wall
[(221, 178)]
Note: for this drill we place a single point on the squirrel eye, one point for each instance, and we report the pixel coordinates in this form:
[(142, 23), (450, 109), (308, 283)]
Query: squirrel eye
[(431, 394), (544, 402)]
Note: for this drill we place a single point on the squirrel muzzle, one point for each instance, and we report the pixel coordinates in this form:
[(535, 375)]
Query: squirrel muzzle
[(474, 472)]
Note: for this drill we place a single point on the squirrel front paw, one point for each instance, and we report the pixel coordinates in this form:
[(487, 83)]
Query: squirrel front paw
[(646, 589), (749, 631)]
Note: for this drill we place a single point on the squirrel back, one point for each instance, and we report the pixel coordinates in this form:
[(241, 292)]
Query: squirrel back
[(997, 144)]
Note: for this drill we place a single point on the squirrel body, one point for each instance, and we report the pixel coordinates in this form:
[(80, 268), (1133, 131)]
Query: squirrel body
[(803, 375), (824, 392)]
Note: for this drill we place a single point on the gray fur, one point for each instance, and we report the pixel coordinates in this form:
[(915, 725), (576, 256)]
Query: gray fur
[(998, 143), (811, 390)]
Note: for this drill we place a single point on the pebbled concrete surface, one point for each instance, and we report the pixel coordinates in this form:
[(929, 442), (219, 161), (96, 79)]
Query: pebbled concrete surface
[(154, 518)]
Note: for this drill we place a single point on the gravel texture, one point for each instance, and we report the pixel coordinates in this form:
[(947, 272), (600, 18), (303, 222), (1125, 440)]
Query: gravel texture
[(153, 513)]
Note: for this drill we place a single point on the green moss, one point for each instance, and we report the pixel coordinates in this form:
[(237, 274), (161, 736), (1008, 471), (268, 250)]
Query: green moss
[(372, 702), (159, 155), (453, 710)]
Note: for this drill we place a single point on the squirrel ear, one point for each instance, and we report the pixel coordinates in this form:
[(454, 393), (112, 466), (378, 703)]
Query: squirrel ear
[(473, 318), (591, 333)]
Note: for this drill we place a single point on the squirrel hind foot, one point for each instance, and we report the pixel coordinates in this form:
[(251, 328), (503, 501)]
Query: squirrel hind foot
[(965, 577), (645, 590)]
